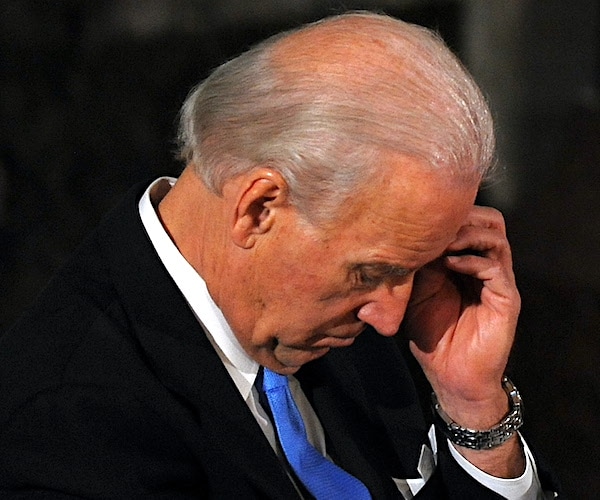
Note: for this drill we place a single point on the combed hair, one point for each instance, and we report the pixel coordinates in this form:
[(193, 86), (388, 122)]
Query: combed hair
[(322, 130)]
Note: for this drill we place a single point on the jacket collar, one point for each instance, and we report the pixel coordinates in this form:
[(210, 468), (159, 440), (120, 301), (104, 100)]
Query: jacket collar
[(178, 351)]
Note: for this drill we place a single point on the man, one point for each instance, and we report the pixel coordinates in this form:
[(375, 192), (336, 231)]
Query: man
[(327, 199)]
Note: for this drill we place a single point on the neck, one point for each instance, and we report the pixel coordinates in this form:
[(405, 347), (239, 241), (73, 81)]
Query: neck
[(200, 224), (194, 218)]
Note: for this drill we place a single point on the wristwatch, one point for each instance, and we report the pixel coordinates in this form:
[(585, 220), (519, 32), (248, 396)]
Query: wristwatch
[(482, 439)]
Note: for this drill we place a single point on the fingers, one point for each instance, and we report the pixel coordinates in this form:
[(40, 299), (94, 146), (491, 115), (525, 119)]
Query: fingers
[(481, 250), (484, 232), (486, 217)]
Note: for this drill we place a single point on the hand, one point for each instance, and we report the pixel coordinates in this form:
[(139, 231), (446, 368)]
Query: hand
[(462, 319)]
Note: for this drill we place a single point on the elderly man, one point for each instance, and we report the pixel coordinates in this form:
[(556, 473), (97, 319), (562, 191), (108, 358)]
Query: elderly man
[(228, 334)]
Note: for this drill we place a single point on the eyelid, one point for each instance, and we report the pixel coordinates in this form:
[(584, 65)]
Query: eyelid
[(376, 274)]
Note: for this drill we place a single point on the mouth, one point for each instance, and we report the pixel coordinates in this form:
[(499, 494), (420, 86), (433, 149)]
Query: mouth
[(292, 357), (338, 338), (332, 342)]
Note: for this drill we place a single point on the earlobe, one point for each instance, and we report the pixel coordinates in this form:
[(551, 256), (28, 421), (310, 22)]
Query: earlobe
[(262, 195)]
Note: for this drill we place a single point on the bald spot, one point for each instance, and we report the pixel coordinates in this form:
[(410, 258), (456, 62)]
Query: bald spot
[(341, 51)]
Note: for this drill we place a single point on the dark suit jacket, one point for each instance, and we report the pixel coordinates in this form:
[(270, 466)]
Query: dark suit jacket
[(110, 389)]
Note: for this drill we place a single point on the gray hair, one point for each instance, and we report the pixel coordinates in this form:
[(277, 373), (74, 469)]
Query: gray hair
[(322, 130)]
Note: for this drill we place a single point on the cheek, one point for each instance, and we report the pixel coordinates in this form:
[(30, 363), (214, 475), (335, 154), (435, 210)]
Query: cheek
[(295, 285), (302, 279), (301, 315)]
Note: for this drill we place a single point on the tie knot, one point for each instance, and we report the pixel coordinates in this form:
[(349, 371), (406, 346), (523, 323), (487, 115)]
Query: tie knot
[(272, 380)]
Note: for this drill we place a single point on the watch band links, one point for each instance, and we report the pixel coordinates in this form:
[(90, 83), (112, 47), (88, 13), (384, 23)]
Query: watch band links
[(483, 439)]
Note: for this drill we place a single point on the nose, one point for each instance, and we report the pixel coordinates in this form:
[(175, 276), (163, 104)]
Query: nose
[(385, 308)]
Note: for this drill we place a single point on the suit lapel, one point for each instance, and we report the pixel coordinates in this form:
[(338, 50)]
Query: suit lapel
[(347, 443), (367, 405), (181, 356)]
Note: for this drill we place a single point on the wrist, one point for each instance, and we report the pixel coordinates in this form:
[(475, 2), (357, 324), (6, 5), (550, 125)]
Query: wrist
[(484, 428)]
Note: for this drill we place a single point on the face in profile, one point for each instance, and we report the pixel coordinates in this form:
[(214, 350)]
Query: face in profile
[(316, 289)]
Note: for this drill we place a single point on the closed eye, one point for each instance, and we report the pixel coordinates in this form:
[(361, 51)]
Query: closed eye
[(373, 275)]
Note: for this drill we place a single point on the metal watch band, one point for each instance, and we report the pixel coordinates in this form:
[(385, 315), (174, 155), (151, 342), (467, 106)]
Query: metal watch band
[(483, 439)]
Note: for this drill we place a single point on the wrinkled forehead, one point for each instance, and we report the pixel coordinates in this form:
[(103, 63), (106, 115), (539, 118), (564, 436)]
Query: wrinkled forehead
[(405, 196)]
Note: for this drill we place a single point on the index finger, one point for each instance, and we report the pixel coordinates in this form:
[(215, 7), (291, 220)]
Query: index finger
[(486, 217)]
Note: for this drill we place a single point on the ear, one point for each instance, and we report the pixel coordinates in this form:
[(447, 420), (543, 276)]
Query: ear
[(262, 193)]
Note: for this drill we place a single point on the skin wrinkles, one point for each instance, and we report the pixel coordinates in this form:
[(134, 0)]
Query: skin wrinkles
[(317, 301)]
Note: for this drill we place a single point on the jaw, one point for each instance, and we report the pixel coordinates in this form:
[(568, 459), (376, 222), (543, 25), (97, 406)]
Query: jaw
[(287, 360)]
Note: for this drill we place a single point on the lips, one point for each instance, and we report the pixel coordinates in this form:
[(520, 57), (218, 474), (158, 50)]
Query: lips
[(333, 342), (342, 337)]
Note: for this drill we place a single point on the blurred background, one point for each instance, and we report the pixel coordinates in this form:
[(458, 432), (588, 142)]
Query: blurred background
[(89, 96)]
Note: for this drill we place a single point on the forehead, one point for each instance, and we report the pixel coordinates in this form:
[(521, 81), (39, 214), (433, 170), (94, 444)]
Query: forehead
[(405, 209)]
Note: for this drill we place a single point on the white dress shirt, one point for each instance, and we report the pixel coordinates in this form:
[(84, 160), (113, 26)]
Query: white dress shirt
[(243, 369)]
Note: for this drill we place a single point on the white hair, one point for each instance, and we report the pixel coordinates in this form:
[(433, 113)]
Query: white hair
[(321, 129)]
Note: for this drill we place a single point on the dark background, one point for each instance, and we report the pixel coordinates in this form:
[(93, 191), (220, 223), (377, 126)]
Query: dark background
[(89, 95)]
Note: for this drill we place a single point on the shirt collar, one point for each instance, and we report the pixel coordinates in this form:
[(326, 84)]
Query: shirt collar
[(240, 366)]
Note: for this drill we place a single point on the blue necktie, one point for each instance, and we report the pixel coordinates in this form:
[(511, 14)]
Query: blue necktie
[(322, 478)]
